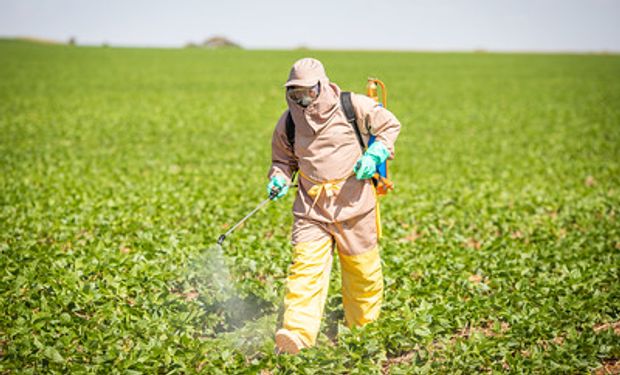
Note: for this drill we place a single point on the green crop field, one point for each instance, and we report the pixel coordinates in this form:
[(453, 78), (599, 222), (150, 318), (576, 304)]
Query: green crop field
[(120, 167)]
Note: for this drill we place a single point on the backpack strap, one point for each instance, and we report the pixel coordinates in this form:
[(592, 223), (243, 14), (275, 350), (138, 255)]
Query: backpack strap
[(349, 112), (290, 130)]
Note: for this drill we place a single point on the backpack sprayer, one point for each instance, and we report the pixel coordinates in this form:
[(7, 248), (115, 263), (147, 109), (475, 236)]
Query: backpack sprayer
[(381, 180), (383, 184)]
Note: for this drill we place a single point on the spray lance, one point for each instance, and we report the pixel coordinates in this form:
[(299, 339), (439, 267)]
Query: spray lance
[(274, 192)]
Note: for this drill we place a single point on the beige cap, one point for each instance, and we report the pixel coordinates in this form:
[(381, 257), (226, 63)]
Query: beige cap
[(306, 73)]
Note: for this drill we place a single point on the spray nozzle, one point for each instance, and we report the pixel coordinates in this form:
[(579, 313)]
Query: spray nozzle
[(221, 239)]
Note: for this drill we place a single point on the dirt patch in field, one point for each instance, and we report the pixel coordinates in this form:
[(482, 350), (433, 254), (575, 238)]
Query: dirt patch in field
[(404, 358), (609, 367), (605, 326)]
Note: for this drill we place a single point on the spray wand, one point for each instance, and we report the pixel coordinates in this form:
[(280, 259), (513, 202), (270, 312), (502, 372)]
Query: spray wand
[(274, 192)]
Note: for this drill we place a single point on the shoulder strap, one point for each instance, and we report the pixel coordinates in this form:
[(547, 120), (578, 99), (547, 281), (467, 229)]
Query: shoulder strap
[(349, 112), (290, 130)]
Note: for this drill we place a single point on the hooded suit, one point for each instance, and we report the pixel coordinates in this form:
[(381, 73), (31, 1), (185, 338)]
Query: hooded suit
[(332, 208)]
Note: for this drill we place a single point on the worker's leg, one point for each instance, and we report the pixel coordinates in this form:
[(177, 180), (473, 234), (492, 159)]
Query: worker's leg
[(362, 280), (306, 286)]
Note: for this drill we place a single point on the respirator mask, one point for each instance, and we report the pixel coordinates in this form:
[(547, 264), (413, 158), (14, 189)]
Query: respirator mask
[(304, 96)]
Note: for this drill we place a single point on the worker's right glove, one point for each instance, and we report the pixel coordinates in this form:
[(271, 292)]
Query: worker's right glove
[(366, 166), (277, 183)]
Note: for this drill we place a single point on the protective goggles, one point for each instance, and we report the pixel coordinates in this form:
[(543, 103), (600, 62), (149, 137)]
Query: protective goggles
[(297, 93)]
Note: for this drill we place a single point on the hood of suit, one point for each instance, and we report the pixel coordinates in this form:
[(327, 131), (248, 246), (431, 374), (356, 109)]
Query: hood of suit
[(307, 72)]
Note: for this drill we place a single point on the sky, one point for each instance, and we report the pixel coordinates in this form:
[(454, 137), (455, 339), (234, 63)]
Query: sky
[(493, 25)]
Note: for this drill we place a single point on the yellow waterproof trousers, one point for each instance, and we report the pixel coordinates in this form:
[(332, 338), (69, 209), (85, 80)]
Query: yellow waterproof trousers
[(308, 280)]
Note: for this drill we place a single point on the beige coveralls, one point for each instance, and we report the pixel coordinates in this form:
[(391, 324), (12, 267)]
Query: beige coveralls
[(331, 208)]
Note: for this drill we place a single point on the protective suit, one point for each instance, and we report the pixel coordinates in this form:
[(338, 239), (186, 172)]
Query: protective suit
[(332, 209)]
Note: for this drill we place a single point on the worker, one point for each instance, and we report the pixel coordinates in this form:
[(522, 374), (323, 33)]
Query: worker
[(336, 204)]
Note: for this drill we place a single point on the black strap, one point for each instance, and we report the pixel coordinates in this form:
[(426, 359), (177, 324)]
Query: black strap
[(349, 112), (290, 130)]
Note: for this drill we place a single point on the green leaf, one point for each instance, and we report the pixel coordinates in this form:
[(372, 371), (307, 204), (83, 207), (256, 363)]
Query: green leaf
[(52, 354)]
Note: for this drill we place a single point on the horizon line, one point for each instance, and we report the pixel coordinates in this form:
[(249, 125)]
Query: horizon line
[(481, 50)]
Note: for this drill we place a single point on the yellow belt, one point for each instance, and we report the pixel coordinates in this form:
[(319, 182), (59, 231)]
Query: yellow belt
[(330, 187)]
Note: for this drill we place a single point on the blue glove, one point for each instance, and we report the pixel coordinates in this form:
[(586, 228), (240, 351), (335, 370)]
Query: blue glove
[(277, 183), (366, 166)]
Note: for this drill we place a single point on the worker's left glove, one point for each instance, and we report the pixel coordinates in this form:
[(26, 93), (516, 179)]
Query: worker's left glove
[(277, 183), (366, 166)]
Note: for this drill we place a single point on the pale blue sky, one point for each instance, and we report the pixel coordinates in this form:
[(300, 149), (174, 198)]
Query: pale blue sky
[(501, 25)]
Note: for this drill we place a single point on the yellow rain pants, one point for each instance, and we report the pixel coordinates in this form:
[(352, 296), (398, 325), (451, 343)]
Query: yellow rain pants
[(308, 280)]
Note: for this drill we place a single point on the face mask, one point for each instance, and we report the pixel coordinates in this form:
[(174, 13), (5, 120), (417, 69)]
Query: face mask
[(305, 101), (304, 96)]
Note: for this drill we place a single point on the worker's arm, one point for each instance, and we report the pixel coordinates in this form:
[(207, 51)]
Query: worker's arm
[(373, 119), (283, 161)]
